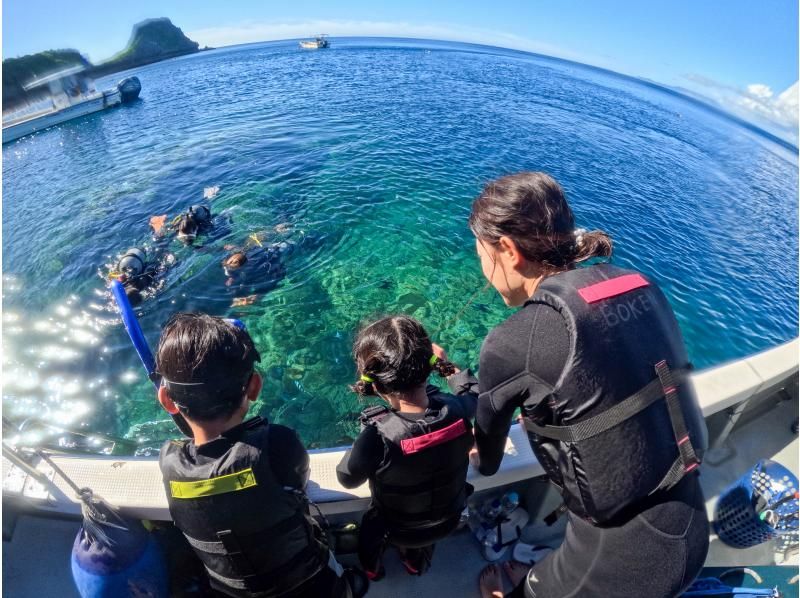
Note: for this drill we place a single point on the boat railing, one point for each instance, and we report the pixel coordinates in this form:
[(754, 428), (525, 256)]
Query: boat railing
[(725, 393)]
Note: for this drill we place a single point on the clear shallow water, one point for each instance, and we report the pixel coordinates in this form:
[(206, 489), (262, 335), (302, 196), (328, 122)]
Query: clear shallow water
[(371, 152)]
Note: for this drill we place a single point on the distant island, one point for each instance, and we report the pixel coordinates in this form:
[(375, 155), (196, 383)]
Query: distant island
[(151, 40)]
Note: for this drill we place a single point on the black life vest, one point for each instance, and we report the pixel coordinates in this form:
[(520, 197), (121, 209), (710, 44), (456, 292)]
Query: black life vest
[(421, 481), (622, 422), (254, 536)]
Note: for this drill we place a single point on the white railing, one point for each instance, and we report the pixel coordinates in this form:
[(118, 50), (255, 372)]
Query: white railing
[(135, 485)]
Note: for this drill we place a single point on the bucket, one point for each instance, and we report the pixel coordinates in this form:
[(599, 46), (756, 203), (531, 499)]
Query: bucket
[(759, 506)]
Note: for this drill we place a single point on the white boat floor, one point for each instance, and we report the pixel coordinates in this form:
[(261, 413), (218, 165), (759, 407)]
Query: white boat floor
[(40, 545)]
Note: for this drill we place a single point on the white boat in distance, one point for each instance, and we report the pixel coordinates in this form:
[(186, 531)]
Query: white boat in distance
[(72, 94), (320, 41)]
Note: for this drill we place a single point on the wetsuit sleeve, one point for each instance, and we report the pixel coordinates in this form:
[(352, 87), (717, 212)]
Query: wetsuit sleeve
[(464, 385), (521, 361), (288, 457), (497, 400), (362, 460)]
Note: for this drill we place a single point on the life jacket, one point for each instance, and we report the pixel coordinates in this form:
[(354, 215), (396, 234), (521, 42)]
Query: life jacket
[(622, 421), (421, 481), (254, 536)]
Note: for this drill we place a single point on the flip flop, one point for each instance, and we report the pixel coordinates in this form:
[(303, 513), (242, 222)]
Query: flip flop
[(530, 554), (510, 532)]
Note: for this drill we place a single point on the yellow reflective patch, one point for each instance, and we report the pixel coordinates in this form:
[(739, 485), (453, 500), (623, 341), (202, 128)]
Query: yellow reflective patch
[(219, 485)]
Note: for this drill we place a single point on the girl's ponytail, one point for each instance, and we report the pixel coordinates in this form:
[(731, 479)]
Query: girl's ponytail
[(364, 386)]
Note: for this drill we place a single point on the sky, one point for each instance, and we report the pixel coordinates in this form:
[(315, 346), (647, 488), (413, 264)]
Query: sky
[(741, 54)]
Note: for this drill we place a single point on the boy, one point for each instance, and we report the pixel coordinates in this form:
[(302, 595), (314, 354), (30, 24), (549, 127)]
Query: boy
[(236, 489)]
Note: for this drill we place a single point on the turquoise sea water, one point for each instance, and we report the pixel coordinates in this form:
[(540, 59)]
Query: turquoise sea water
[(367, 157)]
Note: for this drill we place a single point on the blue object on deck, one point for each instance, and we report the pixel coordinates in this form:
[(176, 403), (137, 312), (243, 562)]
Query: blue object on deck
[(739, 517), (711, 586), (115, 556)]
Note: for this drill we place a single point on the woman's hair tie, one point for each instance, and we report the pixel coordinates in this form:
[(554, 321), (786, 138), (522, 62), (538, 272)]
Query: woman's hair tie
[(367, 379), (579, 232), (432, 361)]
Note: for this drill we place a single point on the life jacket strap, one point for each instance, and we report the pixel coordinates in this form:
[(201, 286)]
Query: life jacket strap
[(687, 457), (230, 547), (637, 402), (236, 554), (374, 413), (417, 444)]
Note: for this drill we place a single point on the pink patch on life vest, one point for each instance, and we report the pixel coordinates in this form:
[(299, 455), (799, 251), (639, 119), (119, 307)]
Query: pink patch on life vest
[(420, 443), (612, 288)]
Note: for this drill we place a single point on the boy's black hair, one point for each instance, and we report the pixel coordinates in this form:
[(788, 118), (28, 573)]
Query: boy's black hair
[(395, 354), (205, 363)]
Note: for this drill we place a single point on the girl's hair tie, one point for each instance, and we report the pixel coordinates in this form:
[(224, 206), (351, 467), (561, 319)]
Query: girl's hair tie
[(365, 378), (432, 361)]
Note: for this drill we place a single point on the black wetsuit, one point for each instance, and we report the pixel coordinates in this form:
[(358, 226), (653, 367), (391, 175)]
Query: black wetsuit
[(262, 272), (654, 549), (368, 456)]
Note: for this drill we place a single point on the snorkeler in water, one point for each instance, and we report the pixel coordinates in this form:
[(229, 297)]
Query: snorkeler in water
[(187, 226), (256, 265), (142, 277)]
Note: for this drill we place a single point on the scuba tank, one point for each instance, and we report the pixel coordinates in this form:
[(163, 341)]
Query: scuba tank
[(132, 263)]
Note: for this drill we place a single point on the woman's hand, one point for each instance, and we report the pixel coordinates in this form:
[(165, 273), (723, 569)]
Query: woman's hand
[(474, 459)]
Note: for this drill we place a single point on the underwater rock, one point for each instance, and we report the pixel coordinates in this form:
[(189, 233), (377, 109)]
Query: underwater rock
[(411, 302)]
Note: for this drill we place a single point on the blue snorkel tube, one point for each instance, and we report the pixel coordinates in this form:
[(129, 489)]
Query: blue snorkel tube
[(142, 348)]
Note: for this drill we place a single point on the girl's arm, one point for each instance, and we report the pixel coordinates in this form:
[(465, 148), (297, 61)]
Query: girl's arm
[(362, 460)]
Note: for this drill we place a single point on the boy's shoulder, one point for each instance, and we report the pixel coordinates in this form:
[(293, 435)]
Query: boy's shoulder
[(171, 446)]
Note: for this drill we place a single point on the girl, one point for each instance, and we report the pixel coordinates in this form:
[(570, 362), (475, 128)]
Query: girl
[(413, 450)]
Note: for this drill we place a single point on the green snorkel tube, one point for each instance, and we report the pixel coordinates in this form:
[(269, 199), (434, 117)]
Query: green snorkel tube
[(142, 348)]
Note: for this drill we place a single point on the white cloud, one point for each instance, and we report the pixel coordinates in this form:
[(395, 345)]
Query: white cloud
[(759, 91), (756, 103)]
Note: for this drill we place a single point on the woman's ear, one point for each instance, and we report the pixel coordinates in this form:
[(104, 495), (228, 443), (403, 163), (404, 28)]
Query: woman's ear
[(166, 402), (510, 251), (254, 387)]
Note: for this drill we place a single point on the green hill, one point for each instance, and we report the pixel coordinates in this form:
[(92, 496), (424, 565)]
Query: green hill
[(151, 40)]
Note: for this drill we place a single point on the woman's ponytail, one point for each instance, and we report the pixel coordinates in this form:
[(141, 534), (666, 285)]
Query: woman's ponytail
[(589, 244)]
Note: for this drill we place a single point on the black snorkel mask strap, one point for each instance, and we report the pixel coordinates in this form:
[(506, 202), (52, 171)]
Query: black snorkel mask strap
[(190, 395)]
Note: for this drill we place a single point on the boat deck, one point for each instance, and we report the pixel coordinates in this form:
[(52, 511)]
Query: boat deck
[(40, 544)]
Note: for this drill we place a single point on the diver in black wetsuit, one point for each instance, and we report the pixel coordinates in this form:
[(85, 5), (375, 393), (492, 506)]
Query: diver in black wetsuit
[(187, 226), (595, 360), (414, 452), (141, 276)]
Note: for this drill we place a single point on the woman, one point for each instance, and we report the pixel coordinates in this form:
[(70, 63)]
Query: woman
[(595, 360)]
